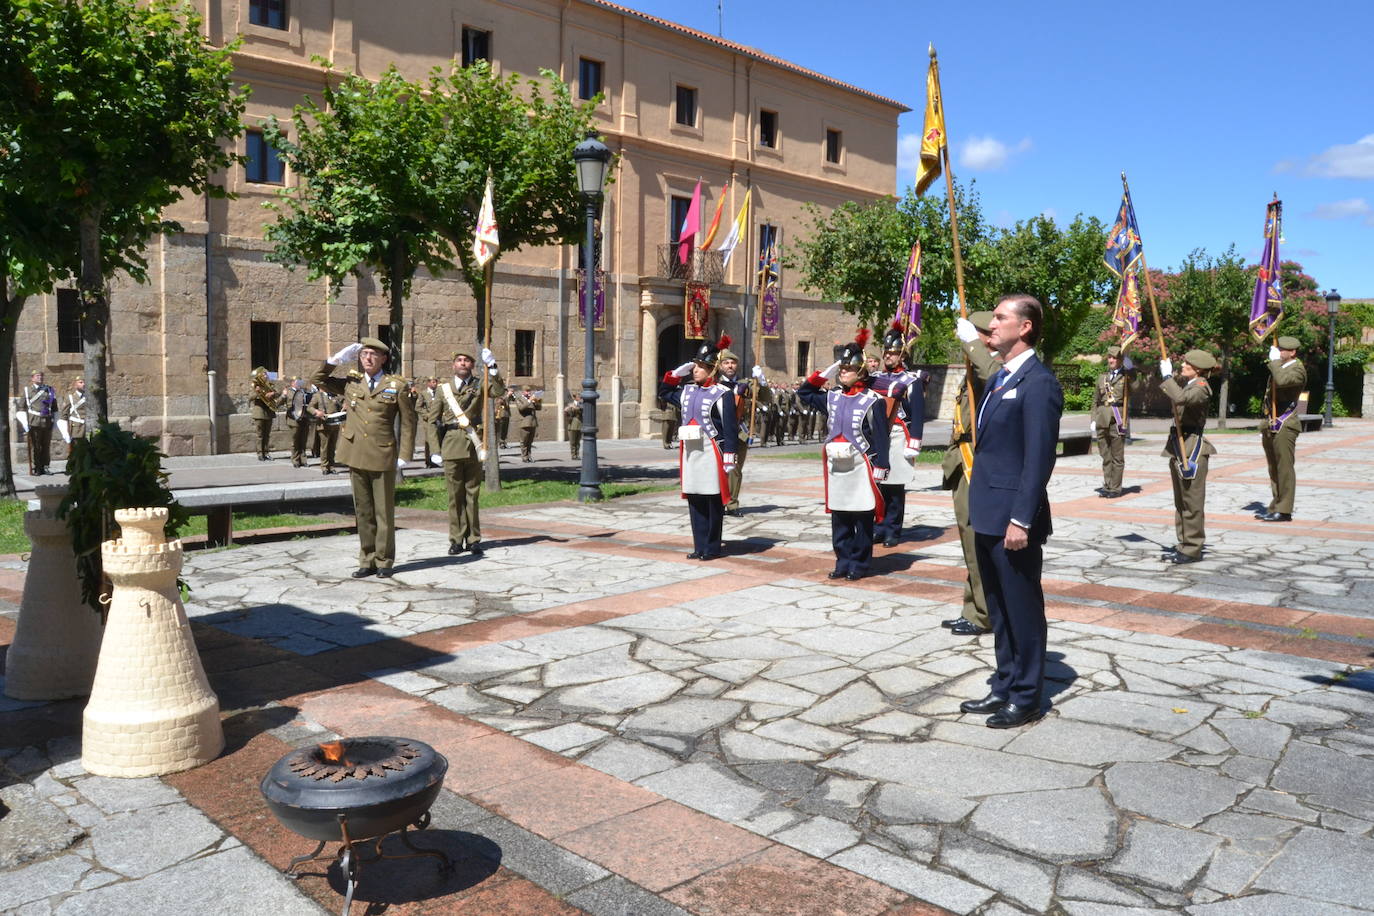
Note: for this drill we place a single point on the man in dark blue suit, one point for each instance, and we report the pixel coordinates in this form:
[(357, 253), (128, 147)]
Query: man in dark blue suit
[(1009, 509)]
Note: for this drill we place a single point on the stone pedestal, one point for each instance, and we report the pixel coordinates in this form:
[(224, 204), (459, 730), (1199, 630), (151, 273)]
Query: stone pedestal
[(151, 709), (57, 639)]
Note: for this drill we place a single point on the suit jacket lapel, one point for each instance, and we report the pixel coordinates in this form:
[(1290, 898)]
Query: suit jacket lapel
[(995, 399)]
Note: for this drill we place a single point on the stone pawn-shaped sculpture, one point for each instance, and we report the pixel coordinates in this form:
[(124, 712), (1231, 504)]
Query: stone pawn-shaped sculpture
[(57, 639), (151, 709)]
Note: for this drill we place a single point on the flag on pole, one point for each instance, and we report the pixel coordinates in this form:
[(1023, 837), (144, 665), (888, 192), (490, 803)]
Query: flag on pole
[(715, 220), (1124, 248), (909, 305), (741, 225), (687, 236), (770, 299), (486, 240), (1126, 317), (933, 137), (1266, 308)]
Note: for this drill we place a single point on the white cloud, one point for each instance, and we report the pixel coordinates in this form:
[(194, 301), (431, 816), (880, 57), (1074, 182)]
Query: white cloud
[(1345, 160), (908, 152), (988, 154), (1350, 208)]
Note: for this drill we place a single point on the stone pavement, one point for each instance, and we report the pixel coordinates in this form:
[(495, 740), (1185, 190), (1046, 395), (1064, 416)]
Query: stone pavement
[(631, 732)]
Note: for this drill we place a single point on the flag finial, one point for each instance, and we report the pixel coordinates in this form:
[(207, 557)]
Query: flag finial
[(932, 50)]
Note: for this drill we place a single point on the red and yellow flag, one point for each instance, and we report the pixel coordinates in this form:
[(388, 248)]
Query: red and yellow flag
[(715, 220), (933, 137)]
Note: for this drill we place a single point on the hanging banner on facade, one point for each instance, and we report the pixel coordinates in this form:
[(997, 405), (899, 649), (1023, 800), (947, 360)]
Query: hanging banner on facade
[(696, 310), (770, 300), (599, 303)]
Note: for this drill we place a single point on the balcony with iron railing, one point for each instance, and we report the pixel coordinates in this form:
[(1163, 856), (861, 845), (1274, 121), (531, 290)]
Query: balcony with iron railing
[(700, 267)]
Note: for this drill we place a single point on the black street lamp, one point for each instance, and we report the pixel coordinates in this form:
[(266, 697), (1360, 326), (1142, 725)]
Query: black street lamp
[(592, 157), (1333, 305)]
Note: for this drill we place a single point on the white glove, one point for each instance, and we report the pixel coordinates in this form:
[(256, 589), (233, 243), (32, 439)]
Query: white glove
[(347, 355), (728, 458), (62, 428), (1092, 428), (1166, 368), (880, 474), (1127, 363), (684, 370), (832, 370), (23, 417), (488, 358), (912, 449), (758, 373), (436, 460), (400, 463), (1273, 353), (965, 331)]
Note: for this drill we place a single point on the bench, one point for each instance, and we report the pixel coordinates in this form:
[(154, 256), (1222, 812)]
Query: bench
[(1311, 422), (218, 503), (1075, 442)]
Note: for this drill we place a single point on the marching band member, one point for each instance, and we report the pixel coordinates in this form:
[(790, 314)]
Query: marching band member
[(856, 455), (707, 444), (904, 394)]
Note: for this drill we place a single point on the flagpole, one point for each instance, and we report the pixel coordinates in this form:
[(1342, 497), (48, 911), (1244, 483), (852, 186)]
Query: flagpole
[(488, 417), (954, 231), (758, 324)]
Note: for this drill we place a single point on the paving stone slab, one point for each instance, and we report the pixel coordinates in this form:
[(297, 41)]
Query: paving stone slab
[(614, 896), (1254, 737), (114, 795), (1161, 855), (620, 694), (937, 887), (857, 701), (550, 866), (138, 843), (1169, 792), (1122, 710), (928, 765), (1072, 741), (40, 880), (804, 734), (32, 827), (1021, 879), (1062, 825), (683, 716), (708, 789), (1271, 905), (743, 746), (821, 837), (1323, 865), (592, 666), (1308, 768), (1076, 883)]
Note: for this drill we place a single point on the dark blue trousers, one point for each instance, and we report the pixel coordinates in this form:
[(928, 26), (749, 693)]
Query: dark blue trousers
[(1016, 610), (894, 510), (852, 535), (708, 518)]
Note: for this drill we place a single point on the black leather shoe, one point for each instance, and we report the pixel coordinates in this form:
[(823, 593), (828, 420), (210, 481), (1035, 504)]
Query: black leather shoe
[(694, 555), (949, 624), (712, 555), (1261, 514), (1012, 715), (384, 572), (990, 703), (1112, 494), (454, 548), (1178, 559), (835, 574), (853, 575), (1277, 517), (890, 542), (964, 627), (362, 572), (475, 550)]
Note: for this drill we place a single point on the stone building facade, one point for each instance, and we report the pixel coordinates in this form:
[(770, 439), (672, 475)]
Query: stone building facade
[(679, 105)]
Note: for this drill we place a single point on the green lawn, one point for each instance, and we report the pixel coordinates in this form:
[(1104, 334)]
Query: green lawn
[(430, 492)]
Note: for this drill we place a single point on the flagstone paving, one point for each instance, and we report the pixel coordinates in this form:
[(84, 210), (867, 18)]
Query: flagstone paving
[(634, 732)]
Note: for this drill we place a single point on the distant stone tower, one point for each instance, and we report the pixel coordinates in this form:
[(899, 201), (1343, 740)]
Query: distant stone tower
[(57, 640), (151, 709)]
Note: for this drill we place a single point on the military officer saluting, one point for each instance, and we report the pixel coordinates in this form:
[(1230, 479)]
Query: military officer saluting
[(1111, 398), (904, 396), (1287, 378), (573, 417), (457, 414), (1188, 458), (374, 402)]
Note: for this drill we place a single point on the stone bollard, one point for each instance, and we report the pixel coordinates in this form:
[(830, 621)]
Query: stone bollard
[(151, 709), (57, 639)]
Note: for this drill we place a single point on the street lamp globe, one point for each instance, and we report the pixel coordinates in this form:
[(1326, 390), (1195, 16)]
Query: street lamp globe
[(592, 156), (1333, 302)]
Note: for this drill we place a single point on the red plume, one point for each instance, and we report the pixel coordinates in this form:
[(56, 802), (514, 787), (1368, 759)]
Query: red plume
[(723, 342), (897, 324), (861, 338)]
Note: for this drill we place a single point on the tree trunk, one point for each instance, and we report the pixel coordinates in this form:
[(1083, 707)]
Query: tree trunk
[(1225, 387), (399, 272), (95, 319), (9, 322)]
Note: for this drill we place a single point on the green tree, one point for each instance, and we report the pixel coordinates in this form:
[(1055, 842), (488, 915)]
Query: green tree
[(119, 108), (365, 160)]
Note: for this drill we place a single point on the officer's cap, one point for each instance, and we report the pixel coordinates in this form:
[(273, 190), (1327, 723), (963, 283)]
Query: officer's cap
[(458, 353), (1114, 351), (727, 353), (981, 320), (1200, 359), (373, 343), (1287, 343)]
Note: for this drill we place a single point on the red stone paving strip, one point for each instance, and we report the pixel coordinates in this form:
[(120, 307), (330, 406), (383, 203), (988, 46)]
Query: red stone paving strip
[(712, 867)]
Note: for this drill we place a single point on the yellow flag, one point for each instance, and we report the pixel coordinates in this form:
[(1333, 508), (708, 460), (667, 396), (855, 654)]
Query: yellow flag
[(486, 239), (933, 132), (737, 231)]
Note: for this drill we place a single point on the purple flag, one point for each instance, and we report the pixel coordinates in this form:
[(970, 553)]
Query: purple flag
[(1266, 308), (909, 305), (1126, 318), (770, 301)]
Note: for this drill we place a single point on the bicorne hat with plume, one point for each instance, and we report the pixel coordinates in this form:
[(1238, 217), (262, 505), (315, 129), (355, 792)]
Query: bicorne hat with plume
[(852, 354), (709, 353)]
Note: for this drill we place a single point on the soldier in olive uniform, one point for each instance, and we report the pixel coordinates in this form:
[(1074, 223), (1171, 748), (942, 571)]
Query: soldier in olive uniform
[(1188, 463), (263, 406), (1288, 377), (527, 404), (1111, 398), (374, 401), (423, 407), (573, 413), (974, 339), (745, 392), (457, 415), (72, 420), (297, 420), (321, 408), (502, 417)]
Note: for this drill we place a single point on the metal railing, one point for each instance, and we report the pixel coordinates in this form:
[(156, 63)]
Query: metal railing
[(701, 266)]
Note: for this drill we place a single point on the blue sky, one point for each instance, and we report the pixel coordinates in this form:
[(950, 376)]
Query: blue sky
[(1209, 106)]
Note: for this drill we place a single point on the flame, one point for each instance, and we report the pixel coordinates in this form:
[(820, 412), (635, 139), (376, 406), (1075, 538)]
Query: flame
[(333, 752)]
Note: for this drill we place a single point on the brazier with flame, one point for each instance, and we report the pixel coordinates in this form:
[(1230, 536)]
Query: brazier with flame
[(356, 791)]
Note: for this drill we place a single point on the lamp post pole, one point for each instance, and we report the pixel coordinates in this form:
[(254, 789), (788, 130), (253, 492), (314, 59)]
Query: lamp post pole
[(1333, 305), (591, 157)]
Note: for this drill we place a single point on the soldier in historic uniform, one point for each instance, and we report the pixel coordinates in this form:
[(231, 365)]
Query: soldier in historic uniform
[(375, 402), (573, 415), (1188, 459), (707, 443), (1287, 378), (856, 455), (457, 416), (904, 397), (747, 393), (501, 412), (975, 340), (296, 399), (36, 412), (71, 422), (262, 404), (1111, 403), (527, 404)]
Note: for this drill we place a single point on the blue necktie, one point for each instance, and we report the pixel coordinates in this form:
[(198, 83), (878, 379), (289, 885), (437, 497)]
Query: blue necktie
[(998, 381)]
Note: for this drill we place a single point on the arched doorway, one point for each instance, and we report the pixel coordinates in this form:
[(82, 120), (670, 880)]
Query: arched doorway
[(673, 349)]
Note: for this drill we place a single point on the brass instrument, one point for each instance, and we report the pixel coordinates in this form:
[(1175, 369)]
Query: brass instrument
[(263, 389)]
